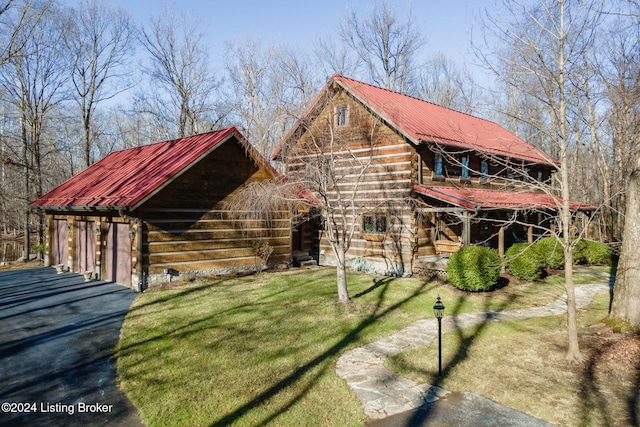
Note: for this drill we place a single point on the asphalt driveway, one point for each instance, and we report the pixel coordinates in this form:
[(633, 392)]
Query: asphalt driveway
[(57, 334)]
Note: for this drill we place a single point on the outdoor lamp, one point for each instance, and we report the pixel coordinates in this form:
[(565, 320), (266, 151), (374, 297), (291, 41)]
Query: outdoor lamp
[(438, 309)]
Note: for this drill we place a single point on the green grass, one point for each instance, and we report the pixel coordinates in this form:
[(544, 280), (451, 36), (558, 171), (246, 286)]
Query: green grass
[(521, 364), (261, 350)]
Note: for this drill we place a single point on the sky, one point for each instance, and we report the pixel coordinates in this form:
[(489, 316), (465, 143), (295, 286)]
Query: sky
[(447, 25)]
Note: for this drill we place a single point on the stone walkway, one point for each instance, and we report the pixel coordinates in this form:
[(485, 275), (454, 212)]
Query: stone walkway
[(384, 393)]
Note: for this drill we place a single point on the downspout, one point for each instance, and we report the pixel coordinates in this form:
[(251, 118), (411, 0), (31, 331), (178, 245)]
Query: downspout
[(141, 285)]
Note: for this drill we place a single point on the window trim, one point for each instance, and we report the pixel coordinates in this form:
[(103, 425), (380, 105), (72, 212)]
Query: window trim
[(375, 221)]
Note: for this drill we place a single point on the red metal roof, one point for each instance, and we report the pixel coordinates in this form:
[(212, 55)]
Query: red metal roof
[(422, 121), (474, 198), (126, 178)]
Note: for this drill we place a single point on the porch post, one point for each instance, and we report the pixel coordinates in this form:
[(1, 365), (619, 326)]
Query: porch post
[(466, 229), (530, 234), (501, 241)]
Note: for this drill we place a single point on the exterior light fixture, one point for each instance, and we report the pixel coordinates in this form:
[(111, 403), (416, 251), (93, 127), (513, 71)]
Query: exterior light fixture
[(438, 310)]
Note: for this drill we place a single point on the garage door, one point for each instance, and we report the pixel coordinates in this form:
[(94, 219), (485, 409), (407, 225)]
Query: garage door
[(85, 246), (118, 254), (59, 244)]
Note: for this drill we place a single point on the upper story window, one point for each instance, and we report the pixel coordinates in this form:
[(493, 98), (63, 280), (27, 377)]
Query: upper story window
[(438, 166), (484, 171), (342, 115), (464, 174)]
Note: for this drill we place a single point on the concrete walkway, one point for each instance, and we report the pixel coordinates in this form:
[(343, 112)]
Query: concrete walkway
[(387, 395)]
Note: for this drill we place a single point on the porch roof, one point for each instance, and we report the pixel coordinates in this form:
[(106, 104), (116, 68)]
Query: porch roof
[(475, 198)]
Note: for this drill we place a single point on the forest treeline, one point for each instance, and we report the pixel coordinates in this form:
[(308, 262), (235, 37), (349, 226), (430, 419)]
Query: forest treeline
[(79, 80)]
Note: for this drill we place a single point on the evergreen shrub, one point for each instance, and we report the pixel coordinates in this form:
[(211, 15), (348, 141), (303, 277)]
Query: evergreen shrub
[(551, 252), (598, 253), (579, 252), (524, 261), (474, 268)]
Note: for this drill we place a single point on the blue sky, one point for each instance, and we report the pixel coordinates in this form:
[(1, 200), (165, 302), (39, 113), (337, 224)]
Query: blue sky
[(447, 25)]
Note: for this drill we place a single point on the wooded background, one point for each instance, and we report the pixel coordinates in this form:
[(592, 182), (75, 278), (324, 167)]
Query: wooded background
[(71, 91)]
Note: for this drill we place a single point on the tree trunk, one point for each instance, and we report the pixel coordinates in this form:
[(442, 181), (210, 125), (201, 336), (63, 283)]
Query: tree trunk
[(341, 273), (573, 353), (626, 297)]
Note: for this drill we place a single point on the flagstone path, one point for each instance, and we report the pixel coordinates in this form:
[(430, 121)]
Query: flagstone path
[(384, 393)]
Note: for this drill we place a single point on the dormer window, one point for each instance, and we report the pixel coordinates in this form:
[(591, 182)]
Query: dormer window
[(484, 171), (465, 167), (437, 166), (342, 115)]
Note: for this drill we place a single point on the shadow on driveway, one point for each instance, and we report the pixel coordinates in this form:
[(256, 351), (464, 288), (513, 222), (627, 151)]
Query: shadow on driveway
[(57, 335)]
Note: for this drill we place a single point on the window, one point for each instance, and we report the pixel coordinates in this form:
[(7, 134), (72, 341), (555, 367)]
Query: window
[(540, 176), (341, 115), (465, 167), (437, 166), (484, 171), (375, 223)]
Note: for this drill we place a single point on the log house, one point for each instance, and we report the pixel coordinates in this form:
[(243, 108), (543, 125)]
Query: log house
[(436, 179)]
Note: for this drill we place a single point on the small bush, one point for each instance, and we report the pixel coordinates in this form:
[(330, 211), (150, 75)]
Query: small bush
[(551, 252), (579, 252), (524, 261), (597, 253), (474, 268)]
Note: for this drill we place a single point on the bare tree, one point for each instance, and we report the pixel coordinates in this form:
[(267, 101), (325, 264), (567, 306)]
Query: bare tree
[(182, 92), (18, 19), (335, 58), (543, 42), (444, 83), (326, 171), (101, 41), (33, 83), (626, 123), (385, 45)]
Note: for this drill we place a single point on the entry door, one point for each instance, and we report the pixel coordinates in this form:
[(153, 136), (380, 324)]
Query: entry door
[(59, 243), (85, 246), (118, 254)]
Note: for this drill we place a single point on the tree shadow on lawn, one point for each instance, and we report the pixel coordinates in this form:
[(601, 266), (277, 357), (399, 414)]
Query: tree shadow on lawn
[(330, 353), (596, 406), (461, 353)]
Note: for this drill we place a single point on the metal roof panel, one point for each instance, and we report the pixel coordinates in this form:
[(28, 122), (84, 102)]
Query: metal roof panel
[(127, 177)]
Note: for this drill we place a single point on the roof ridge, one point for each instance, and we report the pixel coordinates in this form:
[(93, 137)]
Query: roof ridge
[(172, 140), (414, 97)]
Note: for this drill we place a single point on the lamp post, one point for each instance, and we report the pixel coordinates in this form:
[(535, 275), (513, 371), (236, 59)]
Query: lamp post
[(438, 309)]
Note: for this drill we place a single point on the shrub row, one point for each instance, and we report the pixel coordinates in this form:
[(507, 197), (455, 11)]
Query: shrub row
[(528, 262), (477, 268)]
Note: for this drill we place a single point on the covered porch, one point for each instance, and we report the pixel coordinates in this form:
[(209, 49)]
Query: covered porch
[(452, 217)]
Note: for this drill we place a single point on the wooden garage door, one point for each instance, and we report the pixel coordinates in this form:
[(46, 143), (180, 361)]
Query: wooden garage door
[(118, 254), (85, 247), (59, 243)]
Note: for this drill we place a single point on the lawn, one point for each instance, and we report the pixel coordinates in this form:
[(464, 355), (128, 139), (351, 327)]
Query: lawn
[(261, 349), (521, 364)]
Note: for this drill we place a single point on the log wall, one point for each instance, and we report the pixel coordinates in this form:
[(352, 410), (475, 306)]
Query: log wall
[(382, 189), (188, 228)]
